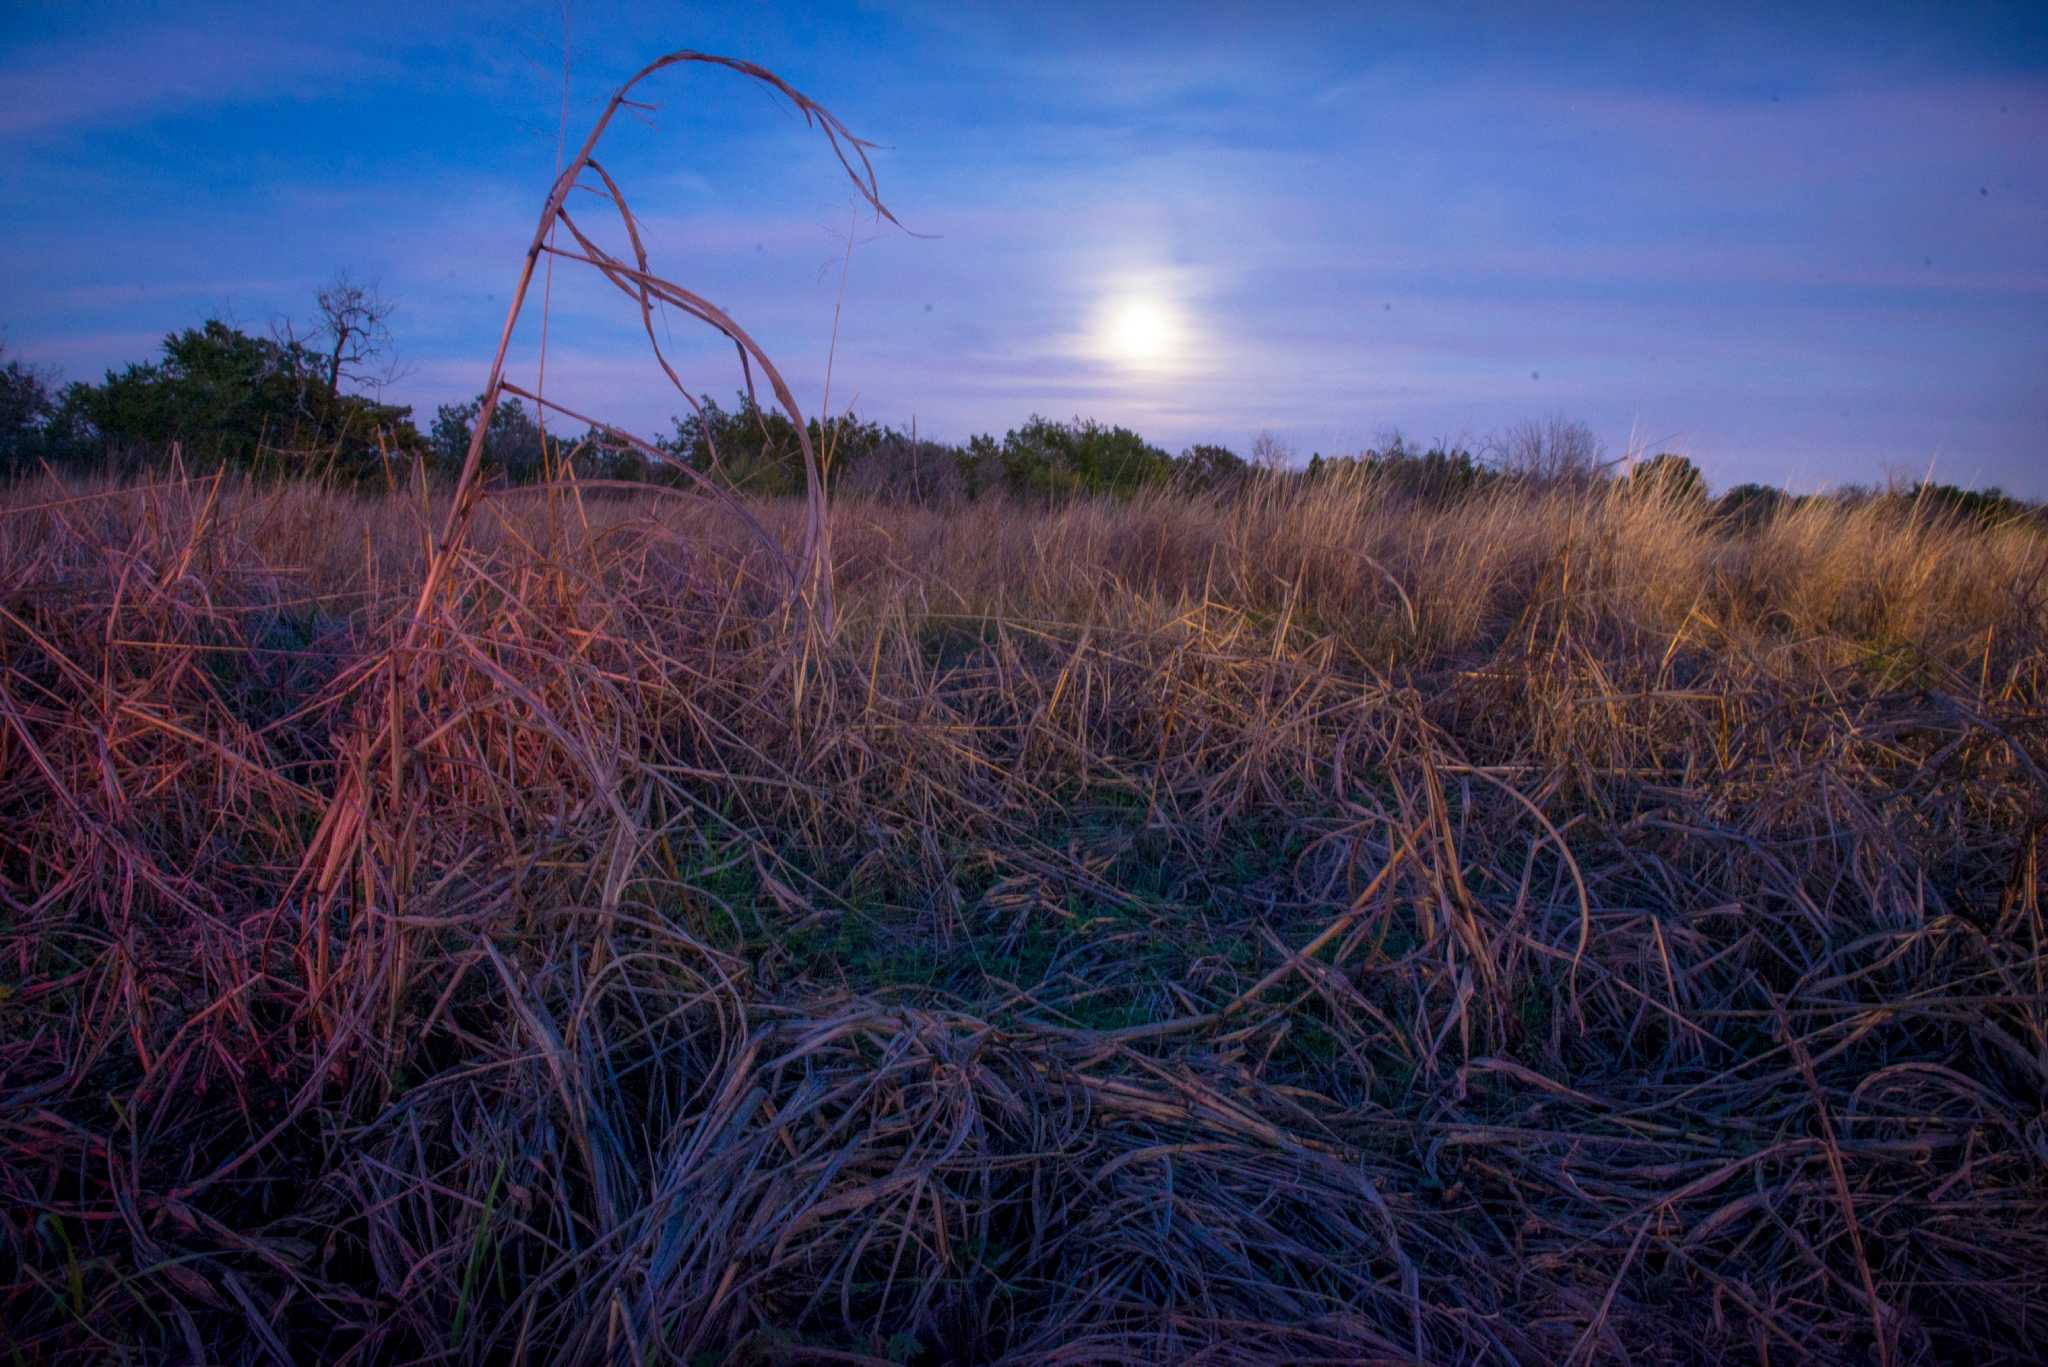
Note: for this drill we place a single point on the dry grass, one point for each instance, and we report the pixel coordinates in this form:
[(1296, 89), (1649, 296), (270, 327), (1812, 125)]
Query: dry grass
[(1304, 927)]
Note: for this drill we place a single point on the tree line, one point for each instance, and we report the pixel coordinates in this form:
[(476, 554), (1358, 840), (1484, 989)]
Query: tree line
[(276, 404)]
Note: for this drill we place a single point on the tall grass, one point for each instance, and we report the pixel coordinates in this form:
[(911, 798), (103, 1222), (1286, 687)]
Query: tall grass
[(1297, 925)]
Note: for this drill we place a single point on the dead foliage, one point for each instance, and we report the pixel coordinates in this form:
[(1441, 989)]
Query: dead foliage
[(1290, 928)]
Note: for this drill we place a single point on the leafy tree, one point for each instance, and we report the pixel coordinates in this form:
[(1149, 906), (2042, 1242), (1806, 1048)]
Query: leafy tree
[(1045, 459), (241, 400), (981, 464), (1216, 467), (217, 390), (1976, 505), (756, 450), (1443, 473), (1748, 506), (600, 455), (1669, 477), (513, 446), (1440, 475), (26, 410)]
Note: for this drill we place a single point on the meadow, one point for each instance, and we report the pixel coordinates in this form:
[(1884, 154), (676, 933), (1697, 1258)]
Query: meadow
[(1297, 922)]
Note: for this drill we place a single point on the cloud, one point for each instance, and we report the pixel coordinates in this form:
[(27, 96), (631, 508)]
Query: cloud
[(59, 85), (95, 348), (154, 291)]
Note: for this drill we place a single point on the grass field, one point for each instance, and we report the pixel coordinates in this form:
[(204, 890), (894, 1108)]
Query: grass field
[(1297, 925)]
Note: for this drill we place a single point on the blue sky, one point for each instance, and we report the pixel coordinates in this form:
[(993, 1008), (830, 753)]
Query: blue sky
[(1804, 250)]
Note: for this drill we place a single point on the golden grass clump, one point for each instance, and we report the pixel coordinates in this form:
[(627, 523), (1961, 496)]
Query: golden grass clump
[(1298, 925)]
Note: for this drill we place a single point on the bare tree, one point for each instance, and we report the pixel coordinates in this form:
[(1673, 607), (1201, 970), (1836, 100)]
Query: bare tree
[(355, 319), (1554, 450), (1271, 454)]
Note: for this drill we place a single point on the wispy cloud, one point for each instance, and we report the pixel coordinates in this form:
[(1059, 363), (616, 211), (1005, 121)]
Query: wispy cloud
[(95, 348), (162, 65)]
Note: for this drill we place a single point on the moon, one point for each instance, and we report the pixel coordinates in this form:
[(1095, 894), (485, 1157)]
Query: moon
[(1140, 330)]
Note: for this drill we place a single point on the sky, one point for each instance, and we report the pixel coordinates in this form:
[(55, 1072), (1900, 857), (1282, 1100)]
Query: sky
[(1805, 245)]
